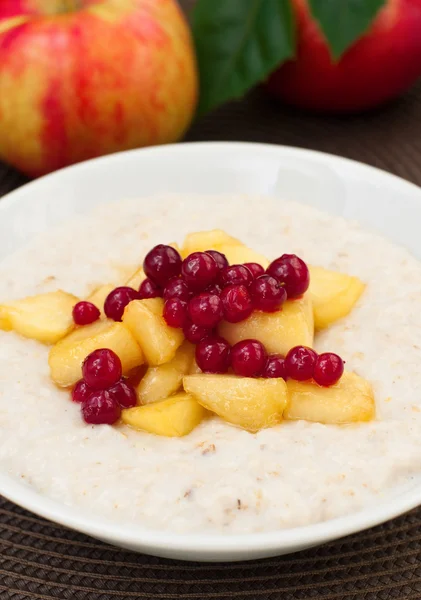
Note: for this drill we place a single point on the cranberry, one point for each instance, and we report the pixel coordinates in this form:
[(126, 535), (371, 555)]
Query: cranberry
[(275, 367), (123, 393), (117, 300), (177, 288), (236, 302), (299, 363), (248, 358), (255, 269), (199, 270), (267, 294), (328, 369), (292, 273), (235, 275), (205, 309), (162, 263), (220, 259), (214, 288), (85, 313), (213, 355), (175, 312), (81, 391), (149, 289), (195, 333), (101, 409), (101, 369)]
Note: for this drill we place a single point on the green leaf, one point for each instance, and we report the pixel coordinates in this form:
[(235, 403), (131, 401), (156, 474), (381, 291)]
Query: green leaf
[(238, 43), (344, 21)]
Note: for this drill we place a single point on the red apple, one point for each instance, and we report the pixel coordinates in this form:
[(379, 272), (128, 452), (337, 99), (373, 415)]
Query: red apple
[(378, 67), (82, 78)]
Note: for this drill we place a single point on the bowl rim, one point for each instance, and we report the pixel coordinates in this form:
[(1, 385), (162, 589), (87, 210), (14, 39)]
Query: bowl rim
[(286, 540)]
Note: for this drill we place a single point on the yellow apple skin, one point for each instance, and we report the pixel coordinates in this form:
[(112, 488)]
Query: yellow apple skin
[(83, 78)]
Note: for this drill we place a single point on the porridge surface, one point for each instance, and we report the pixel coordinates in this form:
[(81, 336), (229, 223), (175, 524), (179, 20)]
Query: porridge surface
[(218, 478)]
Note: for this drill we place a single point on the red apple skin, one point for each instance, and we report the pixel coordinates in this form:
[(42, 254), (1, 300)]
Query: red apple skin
[(110, 76), (377, 68)]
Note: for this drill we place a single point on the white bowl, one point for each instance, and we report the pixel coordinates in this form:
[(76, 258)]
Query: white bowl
[(378, 200)]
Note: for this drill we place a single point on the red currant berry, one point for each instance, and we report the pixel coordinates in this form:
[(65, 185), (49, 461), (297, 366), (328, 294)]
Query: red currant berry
[(117, 300), (248, 358), (267, 294), (123, 393), (255, 269), (236, 302), (195, 333), (85, 313), (149, 289), (328, 369), (199, 270), (275, 367), (177, 288), (205, 310), (81, 391), (213, 355), (101, 369), (214, 288), (292, 273), (299, 363), (101, 409), (162, 263), (175, 312), (220, 259), (235, 275)]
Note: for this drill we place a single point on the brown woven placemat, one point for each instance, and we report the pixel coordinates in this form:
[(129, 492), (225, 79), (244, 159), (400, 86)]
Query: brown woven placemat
[(41, 560)]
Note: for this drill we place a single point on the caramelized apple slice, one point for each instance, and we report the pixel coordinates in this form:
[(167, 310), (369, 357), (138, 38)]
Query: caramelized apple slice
[(173, 417), (333, 295), (46, 317), (66, 357), (158, 341), (99, 295), (160, 382), (239, 254), (348, 401), (250, 403), (279, 331), (206, 240)]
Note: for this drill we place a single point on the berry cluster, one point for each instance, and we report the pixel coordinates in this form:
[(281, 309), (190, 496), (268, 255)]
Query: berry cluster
[(103, 392)]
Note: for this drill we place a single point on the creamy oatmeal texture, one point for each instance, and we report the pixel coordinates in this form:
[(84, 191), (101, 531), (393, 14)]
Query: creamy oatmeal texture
[(218, 478)]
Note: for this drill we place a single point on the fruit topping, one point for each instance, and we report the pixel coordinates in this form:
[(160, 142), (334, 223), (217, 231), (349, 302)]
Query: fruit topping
[(85, 313), (328, 369), (213, 355), (175, 312), (101, 369), (161, 264), (292, 273), (195, 333), (255, 269), (237, 303), (177, 288), (199, 270), (81, 391), (220, 259), (267, 293), (149, 289), (235, 275), (101, 409), (205, 310), (123, 393), (248, 358), (300, 362), (274, 367), (117, 300)]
